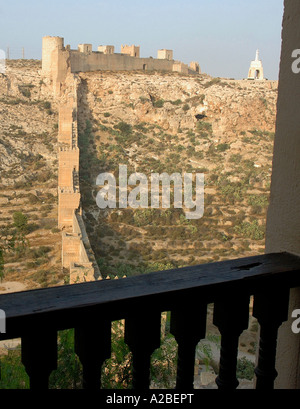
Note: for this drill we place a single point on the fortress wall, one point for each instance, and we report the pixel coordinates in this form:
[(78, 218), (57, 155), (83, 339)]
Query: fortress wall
[(76, 226), (68, 159), (86, 253), (58, 61), (81, 272), (60, 66), (65, 121), (68, 202), (96, 61), (77, 255), (70, 248), (180, 67), (132, 50), (83, 255), (195, 67), (165, 54)]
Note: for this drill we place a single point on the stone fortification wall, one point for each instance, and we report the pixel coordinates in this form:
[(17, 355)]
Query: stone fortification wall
[(68, 159), (59, 60), (132, 50), (81, 62), (77, 255)]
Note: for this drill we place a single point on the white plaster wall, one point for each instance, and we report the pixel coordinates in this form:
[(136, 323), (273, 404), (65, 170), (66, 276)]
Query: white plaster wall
[(283, 220)]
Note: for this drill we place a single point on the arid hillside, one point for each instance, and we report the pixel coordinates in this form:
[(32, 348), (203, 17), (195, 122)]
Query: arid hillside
[(28, 177), (167, 122), (153, 123)]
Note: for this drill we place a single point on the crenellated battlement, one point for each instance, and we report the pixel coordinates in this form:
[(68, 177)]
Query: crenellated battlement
[(59, 60), (132, 50)]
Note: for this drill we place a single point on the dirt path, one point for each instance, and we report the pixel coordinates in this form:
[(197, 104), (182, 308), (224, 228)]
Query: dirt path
[(11, 287)]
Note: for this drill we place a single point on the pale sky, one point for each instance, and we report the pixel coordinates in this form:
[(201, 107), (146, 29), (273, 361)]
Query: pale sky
[(221, 35)]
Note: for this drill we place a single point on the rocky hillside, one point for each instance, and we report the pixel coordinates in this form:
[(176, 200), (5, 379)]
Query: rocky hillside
[(28, 175), (151, 122), (167, 122)]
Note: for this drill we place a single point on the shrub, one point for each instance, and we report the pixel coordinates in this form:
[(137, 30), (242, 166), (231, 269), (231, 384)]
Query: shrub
[(177, 102), (204, 127), (25, 90), (13, 374), (124, 128), (47, 105), (232, 191), (245, 369), (164, 362), (40, 252), (222, 147), (214, 81), (159, 103), (69, 370), (258, 200), (117, 372), (143, 99), (20, 221), (251, 230)]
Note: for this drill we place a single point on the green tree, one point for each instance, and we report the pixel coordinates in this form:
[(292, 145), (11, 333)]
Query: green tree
[(20, 221)]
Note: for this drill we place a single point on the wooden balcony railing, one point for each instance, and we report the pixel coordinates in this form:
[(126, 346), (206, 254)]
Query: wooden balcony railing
[(37, 315)]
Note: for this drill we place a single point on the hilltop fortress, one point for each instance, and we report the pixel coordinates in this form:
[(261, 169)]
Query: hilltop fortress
[(60, 66), (62, 70), (59, 60)]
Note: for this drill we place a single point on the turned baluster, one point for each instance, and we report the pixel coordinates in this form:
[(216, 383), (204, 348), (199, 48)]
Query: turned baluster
[(142, 335), (271, 310), (39, 356), (231, 316), (188, 325), (93, 347)]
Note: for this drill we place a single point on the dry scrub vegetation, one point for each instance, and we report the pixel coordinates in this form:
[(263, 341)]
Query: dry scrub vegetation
[(173, 123), (28, 175)]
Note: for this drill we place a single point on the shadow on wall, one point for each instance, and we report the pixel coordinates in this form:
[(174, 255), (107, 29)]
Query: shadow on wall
[(77, 255)]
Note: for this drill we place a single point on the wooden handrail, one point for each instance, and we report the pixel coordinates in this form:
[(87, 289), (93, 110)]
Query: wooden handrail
[(86, 306), (57, 304)]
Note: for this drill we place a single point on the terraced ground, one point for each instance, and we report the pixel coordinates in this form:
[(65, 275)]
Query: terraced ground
[(28, 176), (172, 123)]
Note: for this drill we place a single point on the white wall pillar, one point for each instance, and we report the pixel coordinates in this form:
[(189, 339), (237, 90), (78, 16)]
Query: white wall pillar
[(283, 220)]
